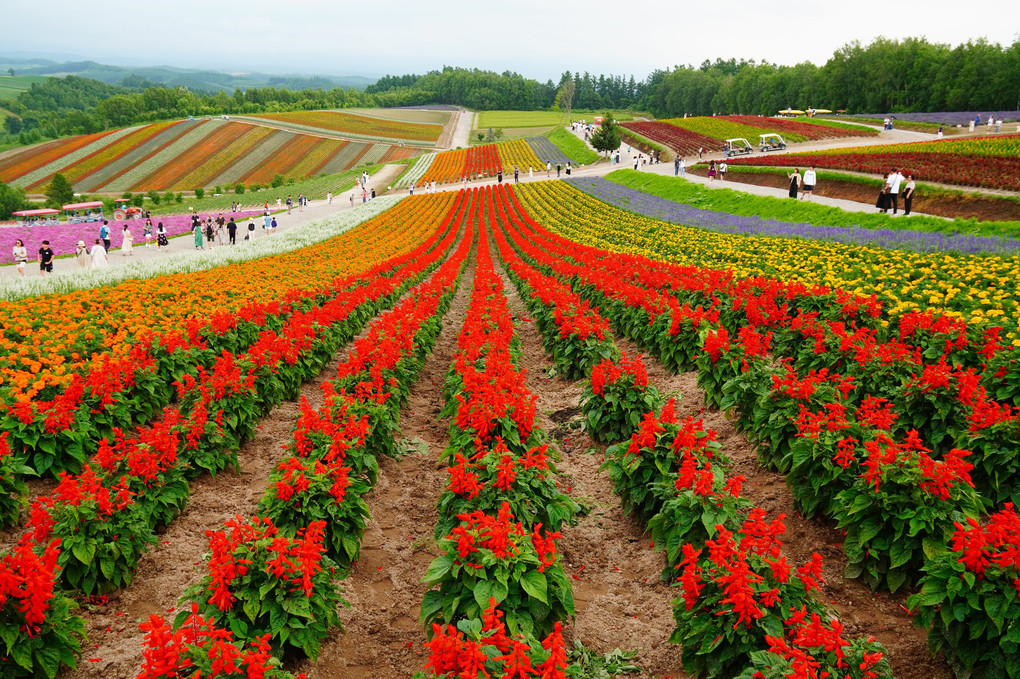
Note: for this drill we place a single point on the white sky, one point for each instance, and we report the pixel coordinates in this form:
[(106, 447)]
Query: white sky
[(538, 38)]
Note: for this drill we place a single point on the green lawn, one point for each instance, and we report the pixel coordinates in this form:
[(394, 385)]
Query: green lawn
[(10, 87), (510, 119)]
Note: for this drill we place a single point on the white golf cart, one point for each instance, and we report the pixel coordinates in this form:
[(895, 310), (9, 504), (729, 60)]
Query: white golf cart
[(737, 147), (771, 142)]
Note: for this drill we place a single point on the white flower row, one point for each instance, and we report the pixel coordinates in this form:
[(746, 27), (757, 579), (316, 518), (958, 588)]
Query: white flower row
[(64, 162), (186, 262), (417, 171), (147, 167)]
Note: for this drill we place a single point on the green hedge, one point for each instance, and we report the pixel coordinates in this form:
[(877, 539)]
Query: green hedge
[(572, 147)]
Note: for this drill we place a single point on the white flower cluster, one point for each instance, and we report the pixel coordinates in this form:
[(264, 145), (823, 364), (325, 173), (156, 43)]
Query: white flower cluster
[(185, 262), (417, 171)]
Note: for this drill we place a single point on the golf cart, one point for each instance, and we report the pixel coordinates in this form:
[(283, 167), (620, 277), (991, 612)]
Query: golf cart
[(737, 147), (771, 142)]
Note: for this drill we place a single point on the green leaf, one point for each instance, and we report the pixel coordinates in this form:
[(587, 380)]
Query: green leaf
[(534, 583), (439, 567), (84, 552)]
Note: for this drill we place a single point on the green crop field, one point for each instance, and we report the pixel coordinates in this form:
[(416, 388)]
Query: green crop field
[(535, 119), (11, 87)]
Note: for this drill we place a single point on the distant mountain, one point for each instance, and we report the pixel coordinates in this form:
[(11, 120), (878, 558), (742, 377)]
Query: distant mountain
[(193, 79)]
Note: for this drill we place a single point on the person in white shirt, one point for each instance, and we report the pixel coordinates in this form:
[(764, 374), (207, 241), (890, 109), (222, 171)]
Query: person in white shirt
[(683, 167), (722, 171), (809, 183), (895, 179)]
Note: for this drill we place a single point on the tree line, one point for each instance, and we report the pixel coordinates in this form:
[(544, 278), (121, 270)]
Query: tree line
[(884, 76)]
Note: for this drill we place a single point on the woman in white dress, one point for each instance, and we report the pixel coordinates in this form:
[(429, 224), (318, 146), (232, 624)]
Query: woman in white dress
[(99, 258), (20, 256), (129, 240)]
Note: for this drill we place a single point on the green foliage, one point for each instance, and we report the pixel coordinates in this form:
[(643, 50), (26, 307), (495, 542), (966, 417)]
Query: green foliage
[(624, 397), (583, 663), (255, 187), (607, 137), (154, 196), (572, 147), (239, 188), (744, 204), (199, 193), (59, 191), (137, 200), (12, 199), (278, 181)]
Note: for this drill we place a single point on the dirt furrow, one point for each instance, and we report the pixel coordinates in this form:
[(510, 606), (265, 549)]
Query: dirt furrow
[(863, 612), (620, 599), (382, 636)]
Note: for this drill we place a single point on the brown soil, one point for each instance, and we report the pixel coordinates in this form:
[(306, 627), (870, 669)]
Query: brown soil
[(620, 599), (863, 612), (964, 205), (382, 637)]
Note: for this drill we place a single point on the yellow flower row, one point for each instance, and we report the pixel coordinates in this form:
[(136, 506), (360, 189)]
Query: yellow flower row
[(978, 288)]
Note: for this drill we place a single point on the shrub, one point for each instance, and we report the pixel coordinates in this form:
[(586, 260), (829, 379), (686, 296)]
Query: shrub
[(154, 196), (238, 188), (199, 193), (278, 181)]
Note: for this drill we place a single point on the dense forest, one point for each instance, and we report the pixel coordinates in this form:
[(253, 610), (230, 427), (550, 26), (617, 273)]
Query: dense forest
[(884, 76)]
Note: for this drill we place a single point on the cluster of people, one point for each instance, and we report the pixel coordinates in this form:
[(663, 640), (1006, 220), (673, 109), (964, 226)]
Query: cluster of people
[(895, 184), (428, 187), (717, 170), (803, 184)]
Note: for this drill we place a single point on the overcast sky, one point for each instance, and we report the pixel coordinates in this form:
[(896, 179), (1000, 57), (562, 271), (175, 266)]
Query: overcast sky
[(538, 38)]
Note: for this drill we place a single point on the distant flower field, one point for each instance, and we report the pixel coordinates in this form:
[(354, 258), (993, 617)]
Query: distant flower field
[(184, 155)]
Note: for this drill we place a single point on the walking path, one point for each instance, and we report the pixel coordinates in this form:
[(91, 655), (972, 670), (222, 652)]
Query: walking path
[(462, 135), (186, 243)]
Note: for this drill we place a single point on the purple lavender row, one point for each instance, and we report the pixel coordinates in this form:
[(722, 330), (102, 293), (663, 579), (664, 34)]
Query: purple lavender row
[(64, 237), (945, 117), (665, 210), (546, 150)]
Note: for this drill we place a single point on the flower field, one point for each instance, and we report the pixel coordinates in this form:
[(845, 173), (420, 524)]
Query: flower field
[(682, 142), (721, 128), (990, 162), (486, 160), (181, 156), (356, 126), (496, 468)]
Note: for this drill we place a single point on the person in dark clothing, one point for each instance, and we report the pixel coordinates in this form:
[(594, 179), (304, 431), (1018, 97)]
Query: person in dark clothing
[(45, 258), (232, 231)]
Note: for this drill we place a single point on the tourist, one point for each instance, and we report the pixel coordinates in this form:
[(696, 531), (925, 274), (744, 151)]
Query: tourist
[(20, 253), (210, 232), (499, 176), (711, 170), (45, 258), (558, 167), (232, 231), (433, 186), (517, 176), (998, 125), (104, 234), (251, 230), (683, 167), (290, 204), (329, 198), (722, 170), (364, 196), (373, 194), (81, 253), (895, 180), (146, 231), (99, 257), (272, 226), (531, 173), (219, 229), (568, 168), (637, 160), (125, 245), (939, 135), (265, 222), (676, 166), (701, 150), (794, 178), (352, 197), (548, 169), (161, 239), (196, 229), (809, 183), (908, 195), (883, 194), (301, 202)]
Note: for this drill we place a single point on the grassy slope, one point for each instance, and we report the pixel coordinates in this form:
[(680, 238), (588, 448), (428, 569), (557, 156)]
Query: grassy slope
[(314, 189), (572, 147), (744, 204), (10, 87)]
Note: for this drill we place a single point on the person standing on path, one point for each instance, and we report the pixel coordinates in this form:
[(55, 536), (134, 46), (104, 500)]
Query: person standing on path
[(701, 150), (711, 170), (265, 222), (329, 197), (895, 179), (104, 234), (637, 161), (557, 170), (352, 197), (210, 232), (548, 169), (196, 228), (908, 195), (45, 259), (939, 136), (273, 225), (683, 167), (373, 193), (161, 240), (883, 194), (232, 231), (301, 202), (722, 170), (531, 173), (499, 176), (20, 253), (290, 204), (676, 166), (517, 176), (81, 253), (146, 232), (99, 258), (794, 178), (251, 230), (125, 245), (809, 183)]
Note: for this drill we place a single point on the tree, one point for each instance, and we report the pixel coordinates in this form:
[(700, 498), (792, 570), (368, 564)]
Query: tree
[(59, 192), (199, 193), (278, 181), (238, 188), (607, 138), (565, 97), (153, 196), (10, 71), (12, 199), (12, 124)]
